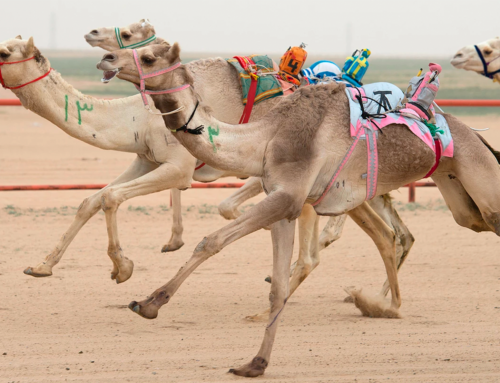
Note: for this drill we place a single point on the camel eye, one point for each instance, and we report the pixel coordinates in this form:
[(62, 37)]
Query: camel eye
[(126, 36), (4, 55), (148, 60), (487, 52)]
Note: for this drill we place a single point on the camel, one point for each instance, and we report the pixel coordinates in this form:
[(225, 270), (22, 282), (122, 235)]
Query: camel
[(207, 73), (483, 58), (297, 149), (161, 162)]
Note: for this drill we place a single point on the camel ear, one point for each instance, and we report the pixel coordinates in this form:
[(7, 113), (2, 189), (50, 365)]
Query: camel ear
[(145, 22), (174, 52), (30, 47), (18, 37)]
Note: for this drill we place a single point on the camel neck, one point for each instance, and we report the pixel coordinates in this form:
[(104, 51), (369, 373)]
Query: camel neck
[(91, 120), (238, 149)]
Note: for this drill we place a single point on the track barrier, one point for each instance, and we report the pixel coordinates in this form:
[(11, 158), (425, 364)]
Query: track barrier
[(216, 185)]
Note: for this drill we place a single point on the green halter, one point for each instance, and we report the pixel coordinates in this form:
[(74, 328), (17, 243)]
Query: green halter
[(132, 46)]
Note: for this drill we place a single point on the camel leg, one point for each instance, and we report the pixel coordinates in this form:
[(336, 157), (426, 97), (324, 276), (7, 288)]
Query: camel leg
[(382, 205), (384, 239), (332, 231), (282, 233), (166, 176), (276, 206), (176, 241), (229, 207), (308, 253), (88, 208), (464, 209)]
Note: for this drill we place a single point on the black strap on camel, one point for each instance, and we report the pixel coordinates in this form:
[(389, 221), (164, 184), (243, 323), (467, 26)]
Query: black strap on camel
[(184, 128)]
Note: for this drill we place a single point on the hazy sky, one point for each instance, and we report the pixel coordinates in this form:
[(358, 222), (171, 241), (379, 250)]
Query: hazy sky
[(387, 27)]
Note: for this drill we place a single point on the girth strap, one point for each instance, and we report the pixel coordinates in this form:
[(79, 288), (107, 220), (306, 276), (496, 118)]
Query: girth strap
[(248, 65), (372, 168)]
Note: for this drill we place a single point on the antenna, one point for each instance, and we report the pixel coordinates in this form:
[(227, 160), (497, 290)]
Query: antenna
[(53, 31), (348, 38)]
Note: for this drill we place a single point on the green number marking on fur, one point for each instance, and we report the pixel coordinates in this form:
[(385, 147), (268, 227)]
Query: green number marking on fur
[(85, 107), (211, 133), (66, 107)]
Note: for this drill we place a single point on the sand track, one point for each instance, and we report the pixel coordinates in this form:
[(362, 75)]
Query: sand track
[(450, 287)]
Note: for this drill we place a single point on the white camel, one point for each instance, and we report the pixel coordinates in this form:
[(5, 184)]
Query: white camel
[(483, 58), (298, 149)]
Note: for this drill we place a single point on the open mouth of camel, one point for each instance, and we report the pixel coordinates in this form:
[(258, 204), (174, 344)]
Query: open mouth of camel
[(109, 75)]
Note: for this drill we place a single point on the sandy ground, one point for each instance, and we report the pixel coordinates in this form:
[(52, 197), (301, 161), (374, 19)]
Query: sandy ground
[(74, 326)]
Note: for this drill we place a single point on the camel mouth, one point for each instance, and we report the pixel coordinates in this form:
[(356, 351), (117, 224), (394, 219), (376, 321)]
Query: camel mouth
[(109, 75)]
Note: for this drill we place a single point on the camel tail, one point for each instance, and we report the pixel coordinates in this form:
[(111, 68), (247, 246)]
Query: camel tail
[(496, 153)]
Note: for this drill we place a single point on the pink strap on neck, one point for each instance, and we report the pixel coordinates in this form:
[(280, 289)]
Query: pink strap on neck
[(142, 76)]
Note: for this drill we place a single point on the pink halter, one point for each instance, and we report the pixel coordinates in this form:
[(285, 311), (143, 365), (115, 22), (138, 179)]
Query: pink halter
[(142, 88)]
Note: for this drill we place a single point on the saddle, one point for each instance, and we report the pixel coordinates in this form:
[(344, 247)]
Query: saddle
[(268, 86)]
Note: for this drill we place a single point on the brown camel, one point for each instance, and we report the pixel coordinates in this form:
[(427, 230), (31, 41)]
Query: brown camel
[(296, 149), (217, 84)]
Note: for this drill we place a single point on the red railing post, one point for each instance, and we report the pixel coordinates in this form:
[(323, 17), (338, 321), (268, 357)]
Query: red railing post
[(412, 191)]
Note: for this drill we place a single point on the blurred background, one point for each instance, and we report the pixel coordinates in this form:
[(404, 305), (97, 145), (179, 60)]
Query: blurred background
[(403, 36)]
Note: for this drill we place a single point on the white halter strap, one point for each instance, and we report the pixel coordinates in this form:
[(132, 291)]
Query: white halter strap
[(142, 88)]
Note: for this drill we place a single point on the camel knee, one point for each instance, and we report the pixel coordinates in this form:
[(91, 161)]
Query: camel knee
[(109, 200), (207, 247), (228, 210), (292, 205), (476, 222), (493, 221)]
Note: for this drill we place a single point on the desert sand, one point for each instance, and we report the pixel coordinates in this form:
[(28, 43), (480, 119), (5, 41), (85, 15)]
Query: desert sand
[(75, 325)]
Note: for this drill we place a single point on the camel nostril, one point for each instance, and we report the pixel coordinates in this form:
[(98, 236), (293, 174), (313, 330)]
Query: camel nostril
[(109, 57), (94, 32), (458, 55)]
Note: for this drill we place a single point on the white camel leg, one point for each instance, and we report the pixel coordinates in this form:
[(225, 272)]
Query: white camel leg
[(228, 208), (166, 176), (282, 233), (332, 231), (88, 208), (176, 241), (382, 205), (384, 238)]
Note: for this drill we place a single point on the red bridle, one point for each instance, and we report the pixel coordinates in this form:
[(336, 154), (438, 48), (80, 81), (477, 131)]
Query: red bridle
[(19, 86)]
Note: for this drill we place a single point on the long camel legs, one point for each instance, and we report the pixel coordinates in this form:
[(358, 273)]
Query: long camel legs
[(176, 241), (229, 207), (88, 208), (282, 233), (308, 253), (166, 176), (276, 206), (384, 238), (382, 205)]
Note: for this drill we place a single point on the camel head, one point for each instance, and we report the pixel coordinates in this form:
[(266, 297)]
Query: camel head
[(467, 58), (134, 35), (18, 49), (120, 63)]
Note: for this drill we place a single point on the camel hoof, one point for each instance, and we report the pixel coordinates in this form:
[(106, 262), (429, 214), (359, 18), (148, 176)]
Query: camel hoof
[(125, 271), (251, 370), (261, 317), (40, 271), (269, 279), (349, 299), (169, 247), (146, 311)]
